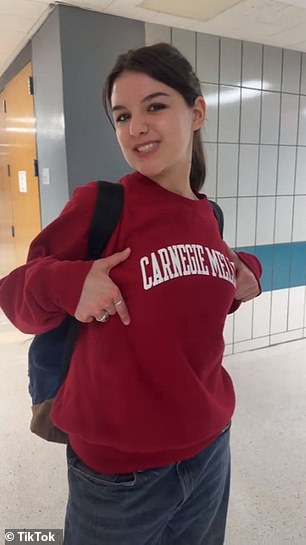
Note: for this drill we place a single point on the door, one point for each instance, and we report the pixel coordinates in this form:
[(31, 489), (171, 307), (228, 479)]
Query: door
[(19, 189)]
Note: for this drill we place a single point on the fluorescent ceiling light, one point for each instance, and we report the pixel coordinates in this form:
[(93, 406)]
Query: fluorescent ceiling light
[(200, 10)]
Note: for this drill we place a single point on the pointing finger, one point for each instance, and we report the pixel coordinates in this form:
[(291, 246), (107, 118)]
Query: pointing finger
[(122, 310)]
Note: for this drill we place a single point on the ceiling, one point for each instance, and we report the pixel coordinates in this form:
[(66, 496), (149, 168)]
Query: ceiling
[(280, 23)]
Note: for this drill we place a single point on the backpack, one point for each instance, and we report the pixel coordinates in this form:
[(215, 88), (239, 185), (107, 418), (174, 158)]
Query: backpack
[(217, 210), (50, 353)]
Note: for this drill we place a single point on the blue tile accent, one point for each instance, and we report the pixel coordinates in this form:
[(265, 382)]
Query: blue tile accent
[(281, 266), (284, 265), (298, 264)]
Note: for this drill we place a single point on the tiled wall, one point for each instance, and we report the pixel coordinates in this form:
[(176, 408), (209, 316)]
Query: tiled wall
[(255, 143)]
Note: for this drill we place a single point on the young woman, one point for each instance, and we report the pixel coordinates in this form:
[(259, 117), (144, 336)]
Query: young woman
[(146, 403)]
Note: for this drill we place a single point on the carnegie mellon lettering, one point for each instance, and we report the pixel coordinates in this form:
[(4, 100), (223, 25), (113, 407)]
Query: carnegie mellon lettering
[(184, 260)]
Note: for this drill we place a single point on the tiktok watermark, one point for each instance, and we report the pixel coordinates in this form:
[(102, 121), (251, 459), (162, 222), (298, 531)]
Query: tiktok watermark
[(14, 536)]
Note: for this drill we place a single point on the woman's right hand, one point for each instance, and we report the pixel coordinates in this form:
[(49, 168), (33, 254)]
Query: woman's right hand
[(100, 294)]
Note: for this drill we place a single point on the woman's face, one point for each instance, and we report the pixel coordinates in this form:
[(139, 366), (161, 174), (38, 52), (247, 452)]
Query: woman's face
[(155, 126)]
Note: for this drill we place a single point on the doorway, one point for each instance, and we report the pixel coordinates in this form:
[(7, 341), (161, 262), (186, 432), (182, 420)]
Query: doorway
[(19, 185)]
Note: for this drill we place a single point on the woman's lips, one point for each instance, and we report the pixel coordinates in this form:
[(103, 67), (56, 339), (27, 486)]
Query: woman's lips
[(147, 147)]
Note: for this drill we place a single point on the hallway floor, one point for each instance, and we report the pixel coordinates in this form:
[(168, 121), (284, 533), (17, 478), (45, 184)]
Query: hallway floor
[(268, 498)]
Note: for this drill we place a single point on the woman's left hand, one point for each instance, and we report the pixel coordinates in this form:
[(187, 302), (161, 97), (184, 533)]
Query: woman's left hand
[(247, 286)]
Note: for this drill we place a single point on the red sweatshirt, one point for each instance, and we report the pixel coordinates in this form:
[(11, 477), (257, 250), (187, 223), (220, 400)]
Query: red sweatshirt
[(153, 392)]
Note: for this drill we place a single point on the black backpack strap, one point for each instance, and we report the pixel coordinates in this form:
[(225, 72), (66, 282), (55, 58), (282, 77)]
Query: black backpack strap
[(217, 210), (106, 215)]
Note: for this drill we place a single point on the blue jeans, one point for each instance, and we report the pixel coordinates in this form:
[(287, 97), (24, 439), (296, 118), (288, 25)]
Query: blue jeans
[(181, 504)]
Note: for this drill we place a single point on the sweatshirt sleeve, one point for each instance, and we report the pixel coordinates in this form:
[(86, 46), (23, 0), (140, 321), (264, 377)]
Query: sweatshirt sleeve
[(253, 263), (37, 296)]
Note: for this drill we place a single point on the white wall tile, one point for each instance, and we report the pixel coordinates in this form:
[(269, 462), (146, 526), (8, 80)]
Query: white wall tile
[(243, 318), (229, 207), (229, 100), (302, 122), (300, 186), (228, 332), (279, 311), (230, 61), (254, 140), (184, 40), (291, 71), (289, 119), (252, 65), (286, 170), (270, 118), (296, 307), (283, 219), (228, 350), (157, 33), (268, 158), (299, 218), (246, 221), (227, 177), (210, 128), (261, 314), (248, 170), (272, 68), (265, 220), (303, 77), (208, 58), (209, 188), (286, 337), (250, 116)]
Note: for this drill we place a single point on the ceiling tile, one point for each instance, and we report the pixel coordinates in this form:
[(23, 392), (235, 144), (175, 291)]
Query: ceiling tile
[(198, 10)]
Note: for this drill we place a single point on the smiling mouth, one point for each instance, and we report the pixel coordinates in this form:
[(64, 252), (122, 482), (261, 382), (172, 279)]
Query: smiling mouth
[(146, 148)]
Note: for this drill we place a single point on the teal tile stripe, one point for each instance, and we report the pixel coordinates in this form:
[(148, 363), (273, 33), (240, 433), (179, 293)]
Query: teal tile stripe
[(284, 265)]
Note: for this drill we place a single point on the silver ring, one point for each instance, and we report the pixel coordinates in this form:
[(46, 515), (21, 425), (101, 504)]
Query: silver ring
[(117, 303), (104, 317)]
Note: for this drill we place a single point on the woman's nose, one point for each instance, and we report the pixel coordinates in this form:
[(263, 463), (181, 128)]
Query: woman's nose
[(138, 126)]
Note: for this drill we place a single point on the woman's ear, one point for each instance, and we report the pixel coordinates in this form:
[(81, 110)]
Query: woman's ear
[(199, 108)]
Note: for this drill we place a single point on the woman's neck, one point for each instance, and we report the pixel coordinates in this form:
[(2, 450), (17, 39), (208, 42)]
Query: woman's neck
[(178, 185)]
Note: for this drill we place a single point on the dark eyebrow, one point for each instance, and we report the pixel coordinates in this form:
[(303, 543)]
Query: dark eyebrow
[(145, 99)]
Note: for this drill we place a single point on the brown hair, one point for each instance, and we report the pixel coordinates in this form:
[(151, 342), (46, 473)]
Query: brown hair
[(164, 63)]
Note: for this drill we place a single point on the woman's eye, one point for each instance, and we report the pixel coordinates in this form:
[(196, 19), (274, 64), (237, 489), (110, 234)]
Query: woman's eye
[(121, 118), (156, 106)]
